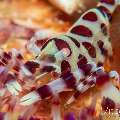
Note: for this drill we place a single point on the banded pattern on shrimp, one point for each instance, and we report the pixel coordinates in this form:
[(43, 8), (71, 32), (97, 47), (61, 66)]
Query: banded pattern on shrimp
[(78, 53)]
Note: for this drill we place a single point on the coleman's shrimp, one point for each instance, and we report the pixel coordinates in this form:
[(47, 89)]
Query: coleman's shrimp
[(77, 56)]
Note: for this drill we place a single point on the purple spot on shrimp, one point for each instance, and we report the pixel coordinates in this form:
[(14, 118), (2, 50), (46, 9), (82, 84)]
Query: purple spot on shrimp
[(110, 2), (69, 79), (81, 60), (65, 66), (44, 91), (105, 12), (90, 16), (31, 66), (61, 44), (104, 29), (86, 68), (47, 69), (102, 49), (82, 30), (91, 49)]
